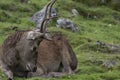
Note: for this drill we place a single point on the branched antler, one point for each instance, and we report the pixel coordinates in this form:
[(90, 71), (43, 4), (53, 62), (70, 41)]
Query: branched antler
[(47, 16)]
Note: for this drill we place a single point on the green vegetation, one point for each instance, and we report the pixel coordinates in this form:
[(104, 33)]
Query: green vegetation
[(103, 23)]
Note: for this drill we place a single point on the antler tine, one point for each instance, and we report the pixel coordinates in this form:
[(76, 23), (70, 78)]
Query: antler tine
[(47, 15), (50, 9), (41, 26)]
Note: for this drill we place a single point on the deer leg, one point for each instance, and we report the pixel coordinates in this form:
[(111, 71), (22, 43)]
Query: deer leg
[(39, 72), (7, 72), (66, 67), (66, 59), (56, 74)]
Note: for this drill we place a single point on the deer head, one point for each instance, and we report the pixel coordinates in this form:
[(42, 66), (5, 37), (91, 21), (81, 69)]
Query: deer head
[(35, 37)]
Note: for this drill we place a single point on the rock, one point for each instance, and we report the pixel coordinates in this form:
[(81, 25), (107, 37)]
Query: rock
[(103, 47), (75, 12), (109, 48), (66, 24), (109, 64), (38, 16)]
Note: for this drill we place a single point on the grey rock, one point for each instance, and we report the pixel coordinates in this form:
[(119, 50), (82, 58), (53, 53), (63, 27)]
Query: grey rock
[(66, 24), (75, 12), (38, 16), (109, 64)]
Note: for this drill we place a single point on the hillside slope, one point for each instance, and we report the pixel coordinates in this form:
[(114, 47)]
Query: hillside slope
[(96, 23)]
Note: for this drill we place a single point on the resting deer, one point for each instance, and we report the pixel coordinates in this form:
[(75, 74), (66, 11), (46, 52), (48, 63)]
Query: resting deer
[(55, 57), (19, 51)]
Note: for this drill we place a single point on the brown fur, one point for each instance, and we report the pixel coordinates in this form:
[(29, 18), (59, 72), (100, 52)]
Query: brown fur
[(55, 58), (62, 42), (12, 40), (8, 53), (19, 53)]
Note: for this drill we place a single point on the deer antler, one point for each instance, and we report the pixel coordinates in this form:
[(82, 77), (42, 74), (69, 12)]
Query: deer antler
[(50, 9), (47, 15)]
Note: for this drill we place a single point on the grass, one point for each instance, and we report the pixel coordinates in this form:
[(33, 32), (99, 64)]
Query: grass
[(106, 28)]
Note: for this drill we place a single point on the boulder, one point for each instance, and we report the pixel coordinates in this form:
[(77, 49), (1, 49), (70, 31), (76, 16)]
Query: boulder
[(66, 24)]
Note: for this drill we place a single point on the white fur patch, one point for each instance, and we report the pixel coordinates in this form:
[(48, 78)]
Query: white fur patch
[(30, 35)]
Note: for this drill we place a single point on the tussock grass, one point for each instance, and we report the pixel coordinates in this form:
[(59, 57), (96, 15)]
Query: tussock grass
[(106, 28)]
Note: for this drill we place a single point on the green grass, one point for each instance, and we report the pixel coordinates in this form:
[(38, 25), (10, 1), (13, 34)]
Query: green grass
[(106, 28)]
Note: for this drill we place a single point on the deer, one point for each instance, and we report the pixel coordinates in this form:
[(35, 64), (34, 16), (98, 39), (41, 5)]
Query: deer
[(56, 57), (18, 53)]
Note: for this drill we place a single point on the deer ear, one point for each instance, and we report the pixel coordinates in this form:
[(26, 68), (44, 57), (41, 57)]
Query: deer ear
[(47, 36), (33, 35), (30, 35)]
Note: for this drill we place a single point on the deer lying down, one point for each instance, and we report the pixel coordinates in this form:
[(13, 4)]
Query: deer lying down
[(19, 50), (55, 58), (19, 53)]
